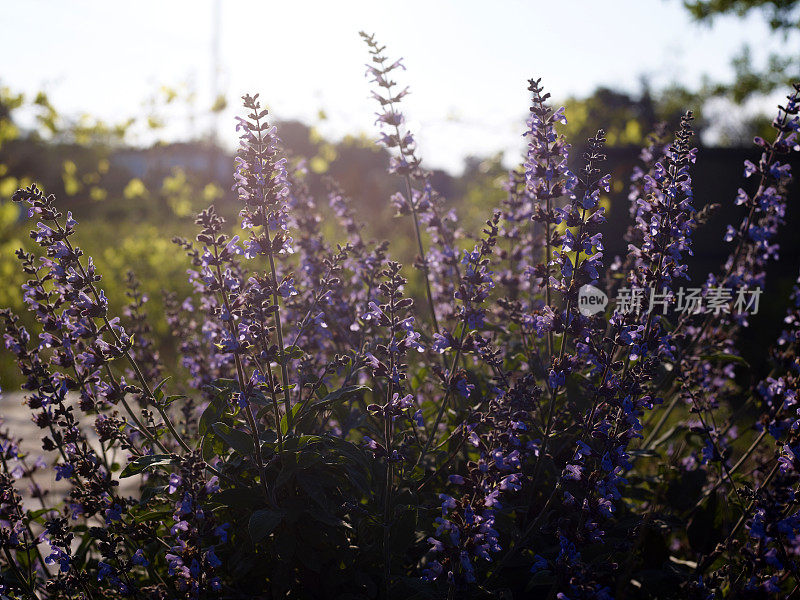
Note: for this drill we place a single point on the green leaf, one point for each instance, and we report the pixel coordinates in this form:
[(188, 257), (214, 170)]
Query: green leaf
[(158, 394), (224, 387), (258, 397), (213, 412), (12, 577), (211, 446), (668, 434), (268, 436), (308, 409), (150, 492), (684, 487), (285, 543), (726, 358), (38, 515), (262, 523), (238, 440), (146, 462), (403, 531), (170, 399), (704, 529), (641, 452), (284, 421), (654, 549), (339, 395), (322, 391), (157, 514), (293, 352), (241, 498), (289, 467)]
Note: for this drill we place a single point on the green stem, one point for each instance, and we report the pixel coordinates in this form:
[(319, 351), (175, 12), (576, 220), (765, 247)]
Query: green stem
[(242, 381)]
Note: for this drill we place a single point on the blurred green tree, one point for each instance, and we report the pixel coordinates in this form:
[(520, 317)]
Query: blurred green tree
[(782, 15), (781, 68), (130, 201), (717, 105)]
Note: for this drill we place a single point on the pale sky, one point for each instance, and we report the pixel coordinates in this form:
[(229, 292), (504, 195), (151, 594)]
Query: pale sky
[(467, 61)]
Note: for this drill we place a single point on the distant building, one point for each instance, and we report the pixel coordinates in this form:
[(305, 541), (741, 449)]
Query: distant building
[(159, 160)]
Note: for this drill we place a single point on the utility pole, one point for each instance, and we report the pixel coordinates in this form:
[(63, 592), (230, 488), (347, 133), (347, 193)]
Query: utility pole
[(216, 25)]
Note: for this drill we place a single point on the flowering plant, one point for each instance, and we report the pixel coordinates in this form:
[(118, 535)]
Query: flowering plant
[(328, 434)]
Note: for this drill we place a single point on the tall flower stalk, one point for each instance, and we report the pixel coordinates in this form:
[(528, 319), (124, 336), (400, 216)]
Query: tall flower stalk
[(406, 164), (261, 185)]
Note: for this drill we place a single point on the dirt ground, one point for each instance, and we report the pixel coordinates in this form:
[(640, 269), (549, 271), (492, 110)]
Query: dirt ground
[(16, 418)]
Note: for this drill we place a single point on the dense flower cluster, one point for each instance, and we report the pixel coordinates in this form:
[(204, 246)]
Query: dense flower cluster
[(338, 426)]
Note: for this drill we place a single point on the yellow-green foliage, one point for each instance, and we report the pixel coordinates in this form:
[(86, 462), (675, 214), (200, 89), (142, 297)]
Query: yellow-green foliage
[(144, 248)]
